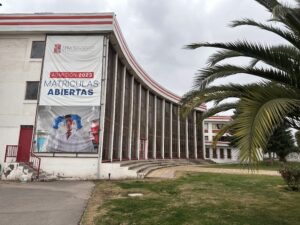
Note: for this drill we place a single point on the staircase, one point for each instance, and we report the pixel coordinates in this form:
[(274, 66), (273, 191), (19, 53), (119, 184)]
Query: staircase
[(24, 172), (144, 167), (41, 176), (17, 170)]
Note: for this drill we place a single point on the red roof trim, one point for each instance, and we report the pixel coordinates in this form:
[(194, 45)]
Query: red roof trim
[(54, 17), (55, 23)]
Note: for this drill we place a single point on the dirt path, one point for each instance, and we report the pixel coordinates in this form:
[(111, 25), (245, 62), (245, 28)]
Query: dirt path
[(170, 172)]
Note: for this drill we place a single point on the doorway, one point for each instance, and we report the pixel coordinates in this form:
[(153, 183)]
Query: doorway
[(24, 145)]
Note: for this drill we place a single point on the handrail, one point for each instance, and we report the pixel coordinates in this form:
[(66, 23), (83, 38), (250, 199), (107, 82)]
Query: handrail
[(35, 163), (11, 152)]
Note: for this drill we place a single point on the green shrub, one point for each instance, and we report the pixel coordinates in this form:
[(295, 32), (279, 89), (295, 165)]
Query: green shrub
[(291, 176)]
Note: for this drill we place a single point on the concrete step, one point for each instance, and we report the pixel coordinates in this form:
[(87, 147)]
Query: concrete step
[(144, 167), (141, 164), (149, 170)]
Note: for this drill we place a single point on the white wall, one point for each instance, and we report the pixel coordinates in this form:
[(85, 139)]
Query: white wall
[(116, 172), (73, 168), (234, 155), (293, 157), (84, 168), (16, 68)]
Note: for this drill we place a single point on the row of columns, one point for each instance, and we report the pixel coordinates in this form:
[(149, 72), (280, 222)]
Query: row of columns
[(121, 119)]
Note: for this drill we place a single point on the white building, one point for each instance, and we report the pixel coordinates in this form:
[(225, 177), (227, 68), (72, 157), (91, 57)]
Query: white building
[(223, 152), (70, 75)]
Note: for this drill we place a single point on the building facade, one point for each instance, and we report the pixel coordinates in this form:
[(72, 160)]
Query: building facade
[(74, 98), (223, 152)]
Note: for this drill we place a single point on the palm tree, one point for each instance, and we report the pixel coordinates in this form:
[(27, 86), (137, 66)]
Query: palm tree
[(259, 107)]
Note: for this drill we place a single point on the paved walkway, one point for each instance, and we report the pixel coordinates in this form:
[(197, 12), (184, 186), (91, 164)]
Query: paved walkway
[(49, 203), (170, 172)]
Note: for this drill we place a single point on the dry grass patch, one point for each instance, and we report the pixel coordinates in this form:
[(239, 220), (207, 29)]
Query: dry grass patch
[(195, 198)]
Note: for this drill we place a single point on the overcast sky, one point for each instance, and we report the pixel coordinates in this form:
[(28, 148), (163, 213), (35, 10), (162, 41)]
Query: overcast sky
[(157, 30)]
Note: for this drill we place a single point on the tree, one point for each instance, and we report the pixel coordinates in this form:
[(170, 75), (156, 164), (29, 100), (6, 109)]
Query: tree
[(260, 107), (297, 136), (281, 142)]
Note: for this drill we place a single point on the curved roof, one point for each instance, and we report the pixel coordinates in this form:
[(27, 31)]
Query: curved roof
[(84, 23)]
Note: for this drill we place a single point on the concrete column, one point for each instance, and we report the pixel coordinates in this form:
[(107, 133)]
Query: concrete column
[(195, 133), (102, 103), (147, 124), (139, 122), (154, 128), (163, 114), (186, 138), (130, 117), (113, 110), (171, 131), (178, 132), (203, 140), (122, 114)]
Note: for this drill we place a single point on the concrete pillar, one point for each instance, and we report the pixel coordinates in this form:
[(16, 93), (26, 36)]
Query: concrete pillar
[(147, 124), (187, 137), (178, 133), (113, 110), (139, 122), (171, 131), (120, 146), (163, 114), (203, 140), (130, 117), (102, 103), (154, 128), (195, 134)]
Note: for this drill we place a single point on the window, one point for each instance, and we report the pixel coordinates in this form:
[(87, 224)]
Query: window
[(205, 126), (217, 126), (207, 153), (221, 153), (37, 49), (228, 153), (215, 156), (206, 138), (225, 139), (32, 88)]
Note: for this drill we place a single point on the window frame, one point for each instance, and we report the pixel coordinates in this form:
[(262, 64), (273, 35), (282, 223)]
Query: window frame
[(222, 156), (39, 57), (207, 153), (229, 153), (37, 91), (215, 154)]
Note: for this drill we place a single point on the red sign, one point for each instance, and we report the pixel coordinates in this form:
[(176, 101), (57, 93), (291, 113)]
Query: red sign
[(57, 48), (87, 75)]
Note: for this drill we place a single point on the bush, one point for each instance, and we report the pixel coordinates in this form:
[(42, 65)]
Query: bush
[(291, 176)]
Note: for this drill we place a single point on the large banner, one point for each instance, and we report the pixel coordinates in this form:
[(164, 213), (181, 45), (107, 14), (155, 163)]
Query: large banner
[(69, 106), (72, 71), (67, 129)]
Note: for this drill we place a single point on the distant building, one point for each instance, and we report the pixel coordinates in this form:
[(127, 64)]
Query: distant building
[(223, 152)]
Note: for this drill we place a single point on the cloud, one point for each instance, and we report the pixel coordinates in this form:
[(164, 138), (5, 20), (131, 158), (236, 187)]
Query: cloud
[(156, 30)]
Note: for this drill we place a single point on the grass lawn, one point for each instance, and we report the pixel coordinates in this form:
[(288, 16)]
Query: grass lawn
[(276, 165), (195, 198)]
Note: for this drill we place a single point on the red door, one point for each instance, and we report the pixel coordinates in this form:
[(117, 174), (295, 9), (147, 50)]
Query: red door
[(25, 139)]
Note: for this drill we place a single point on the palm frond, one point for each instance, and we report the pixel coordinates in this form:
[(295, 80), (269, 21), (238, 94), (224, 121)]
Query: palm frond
[(259, 115), (210, 74), (287, 35), (219, 108)]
